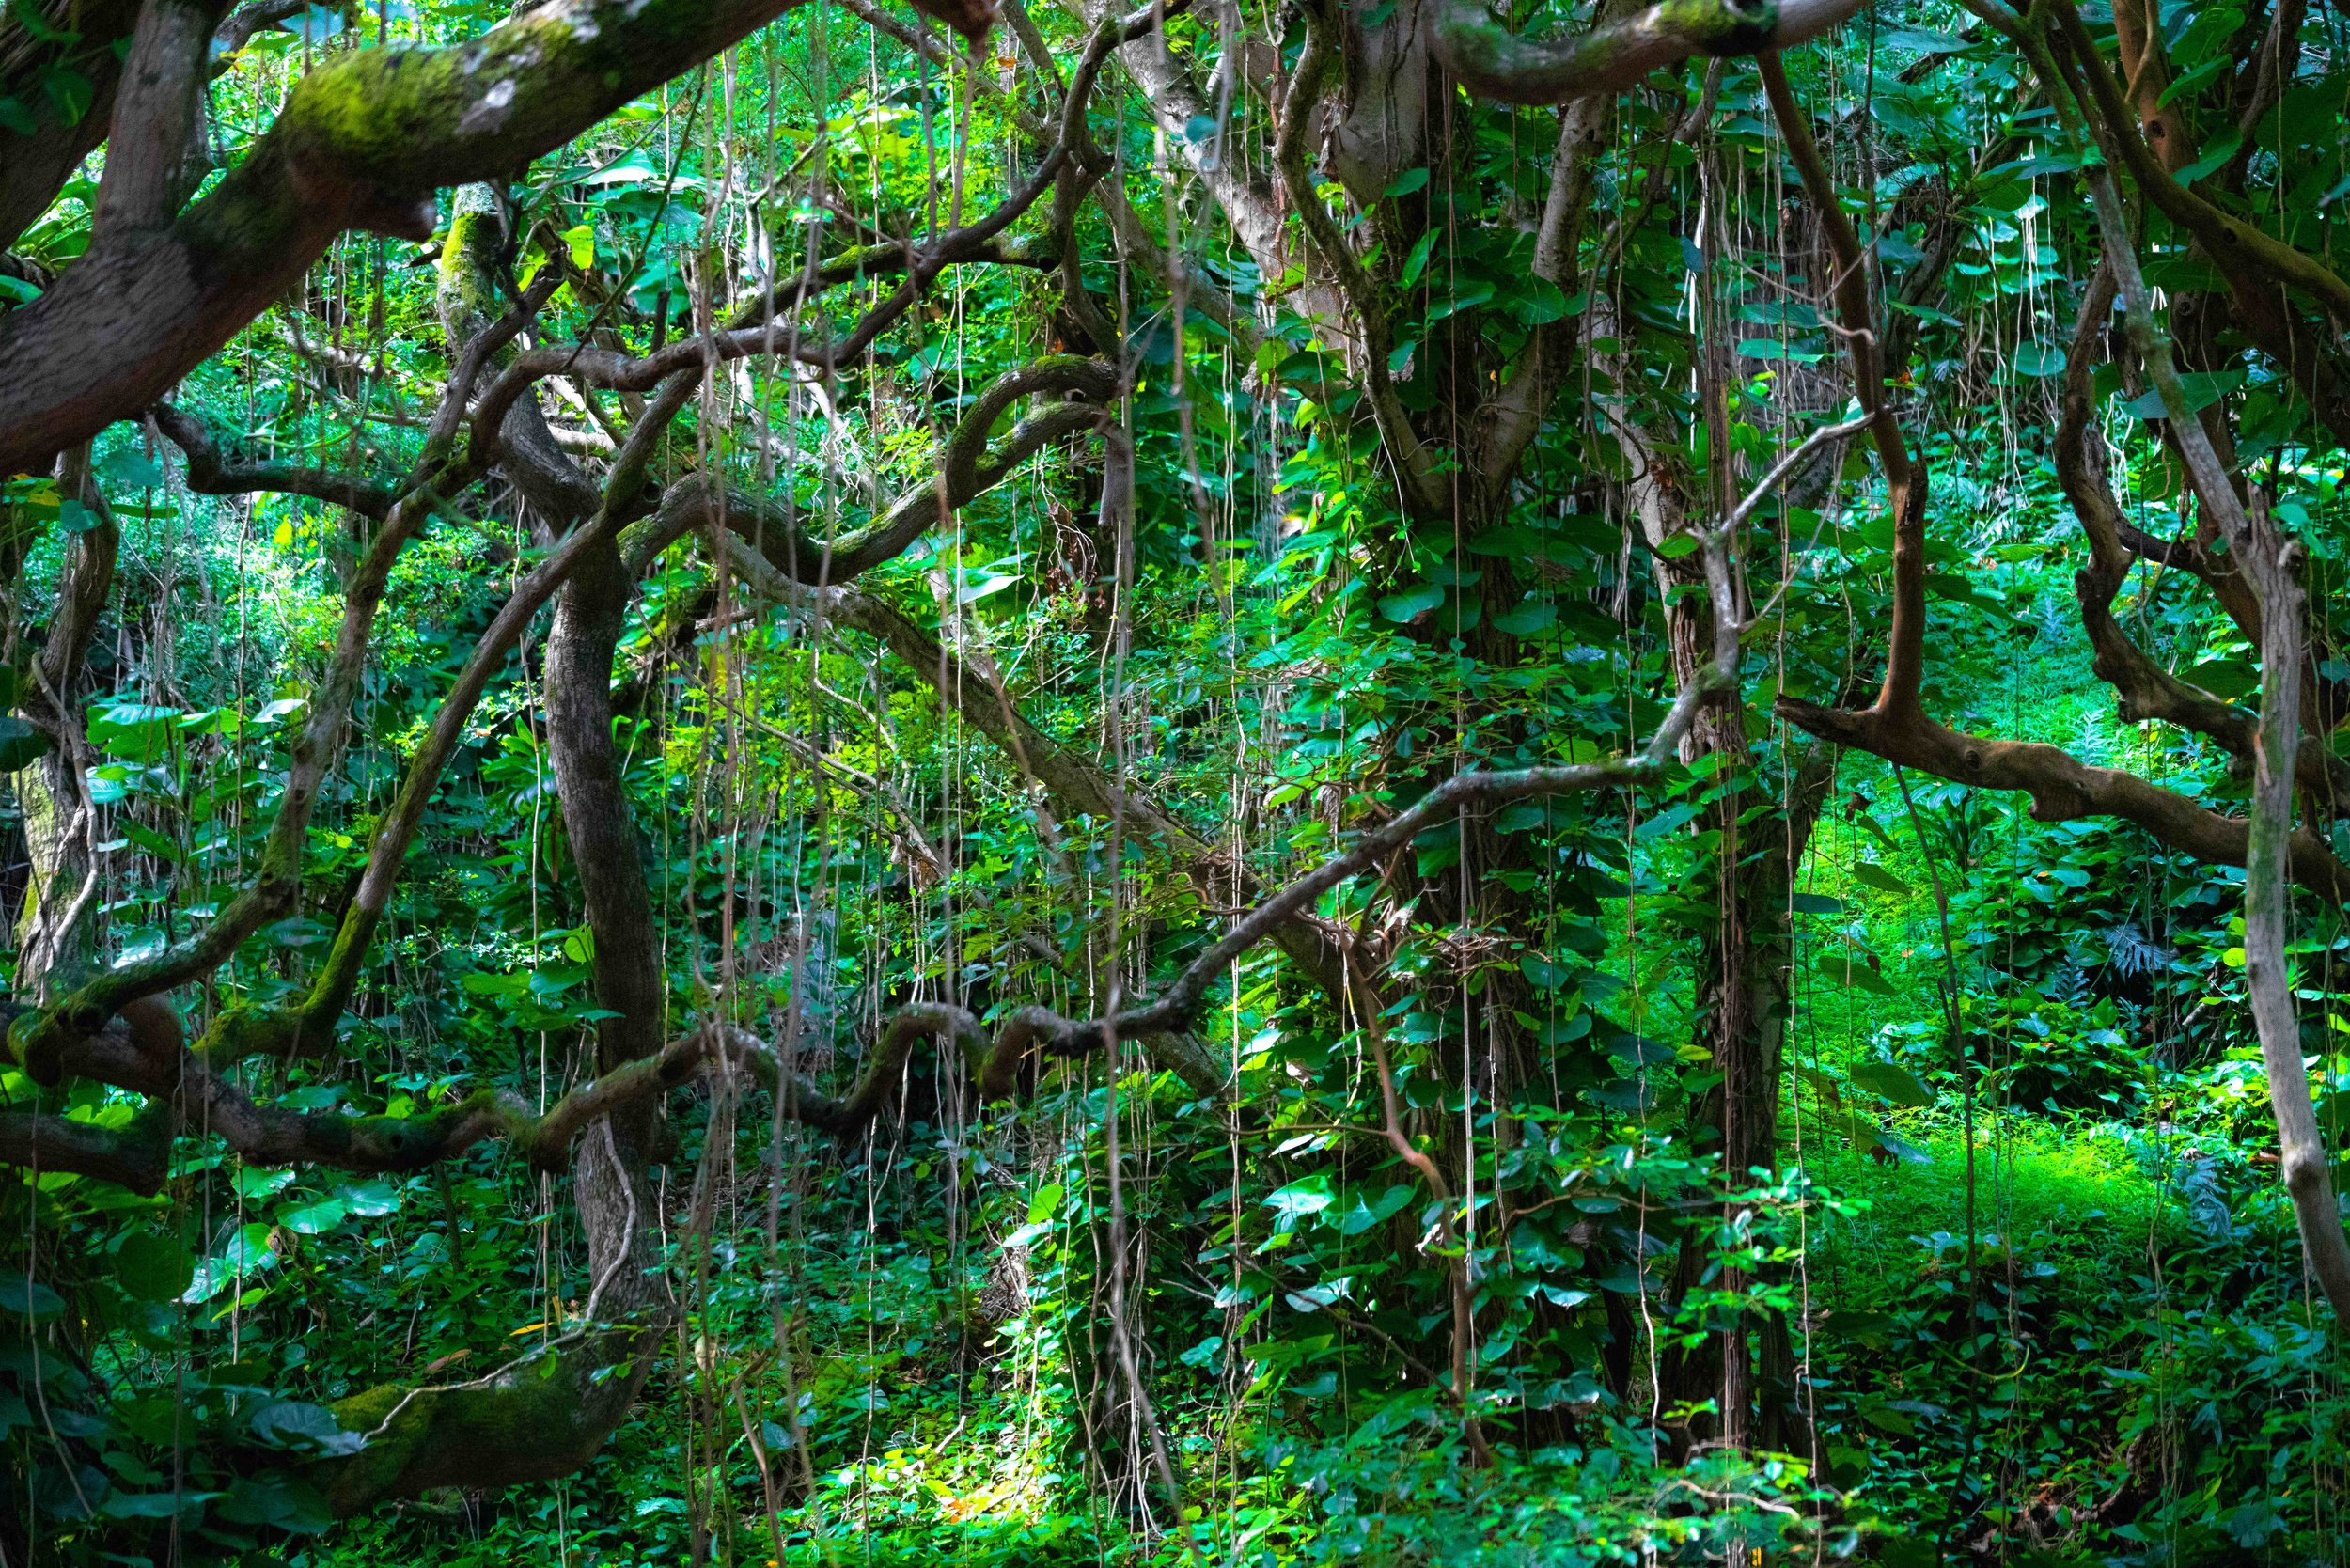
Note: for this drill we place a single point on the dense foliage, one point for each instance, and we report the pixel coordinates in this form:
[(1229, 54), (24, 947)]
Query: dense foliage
[(803, 784)]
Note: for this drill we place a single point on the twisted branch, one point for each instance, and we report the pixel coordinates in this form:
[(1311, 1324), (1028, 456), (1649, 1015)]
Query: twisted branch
[(1495, 63)]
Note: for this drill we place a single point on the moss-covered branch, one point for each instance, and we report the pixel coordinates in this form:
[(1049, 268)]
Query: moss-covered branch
[(137, 1156), (1493, 62), (535, 1418), (364, 141)]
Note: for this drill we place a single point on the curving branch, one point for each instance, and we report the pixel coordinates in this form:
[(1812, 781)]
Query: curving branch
[(310, 1025), (1718, 546), (363, 142), (968, 466), (2234, 244), (138, 1156), (1423, 487), (2144, 689), (2061, 787), (2271, 562), (762, 334), (37, 1039), (1075, 781), (208, 1103), (1513, 416), (152, 144), (247, 21), (57, 929), (541, 1417), (212, 471), (1906, 479), (1493, 62), (1278, 918)]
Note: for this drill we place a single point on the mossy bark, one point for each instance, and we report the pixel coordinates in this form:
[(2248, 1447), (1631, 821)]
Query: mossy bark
[(536, 1418), (363, 142)]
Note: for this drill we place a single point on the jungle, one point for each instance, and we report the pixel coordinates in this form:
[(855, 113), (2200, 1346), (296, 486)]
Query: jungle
[(879, 783)]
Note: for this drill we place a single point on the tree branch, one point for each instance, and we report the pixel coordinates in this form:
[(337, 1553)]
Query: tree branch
[(37, 1039), (1906, 480), (213, 472), (1423, 487), (1493, 62), (967, 468), (363, 142), (138, 1156), (2232, 244)]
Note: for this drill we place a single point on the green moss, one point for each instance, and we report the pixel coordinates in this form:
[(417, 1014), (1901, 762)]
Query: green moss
[(538, 1417), (1721, 26), (468, 260)]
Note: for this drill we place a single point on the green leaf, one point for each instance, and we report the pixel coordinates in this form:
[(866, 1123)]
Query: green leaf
[(150, 1505), (1923, 41), (2201, 388), (2040, 359), (1411, 603), (2215, 158), (153, 1267), (1900, 1148), (152, 842), (21, 745), (247, 1252), (302, 1428), (1542, 973), (1359, 1216), (1879, 878), (1847, 968), (371, 1199), (29, 1298), (1771, 348), (1526, 620), (134, 731), (287, 1503), (1890, 1082), (69, 93), (130, 468), (313, 1219), (1416, 261), (1537, 301), (1299, 1200), (256, 1181), (496, 985), (1521, 816), (2225, 678), (1471, 294), (15, 118)]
